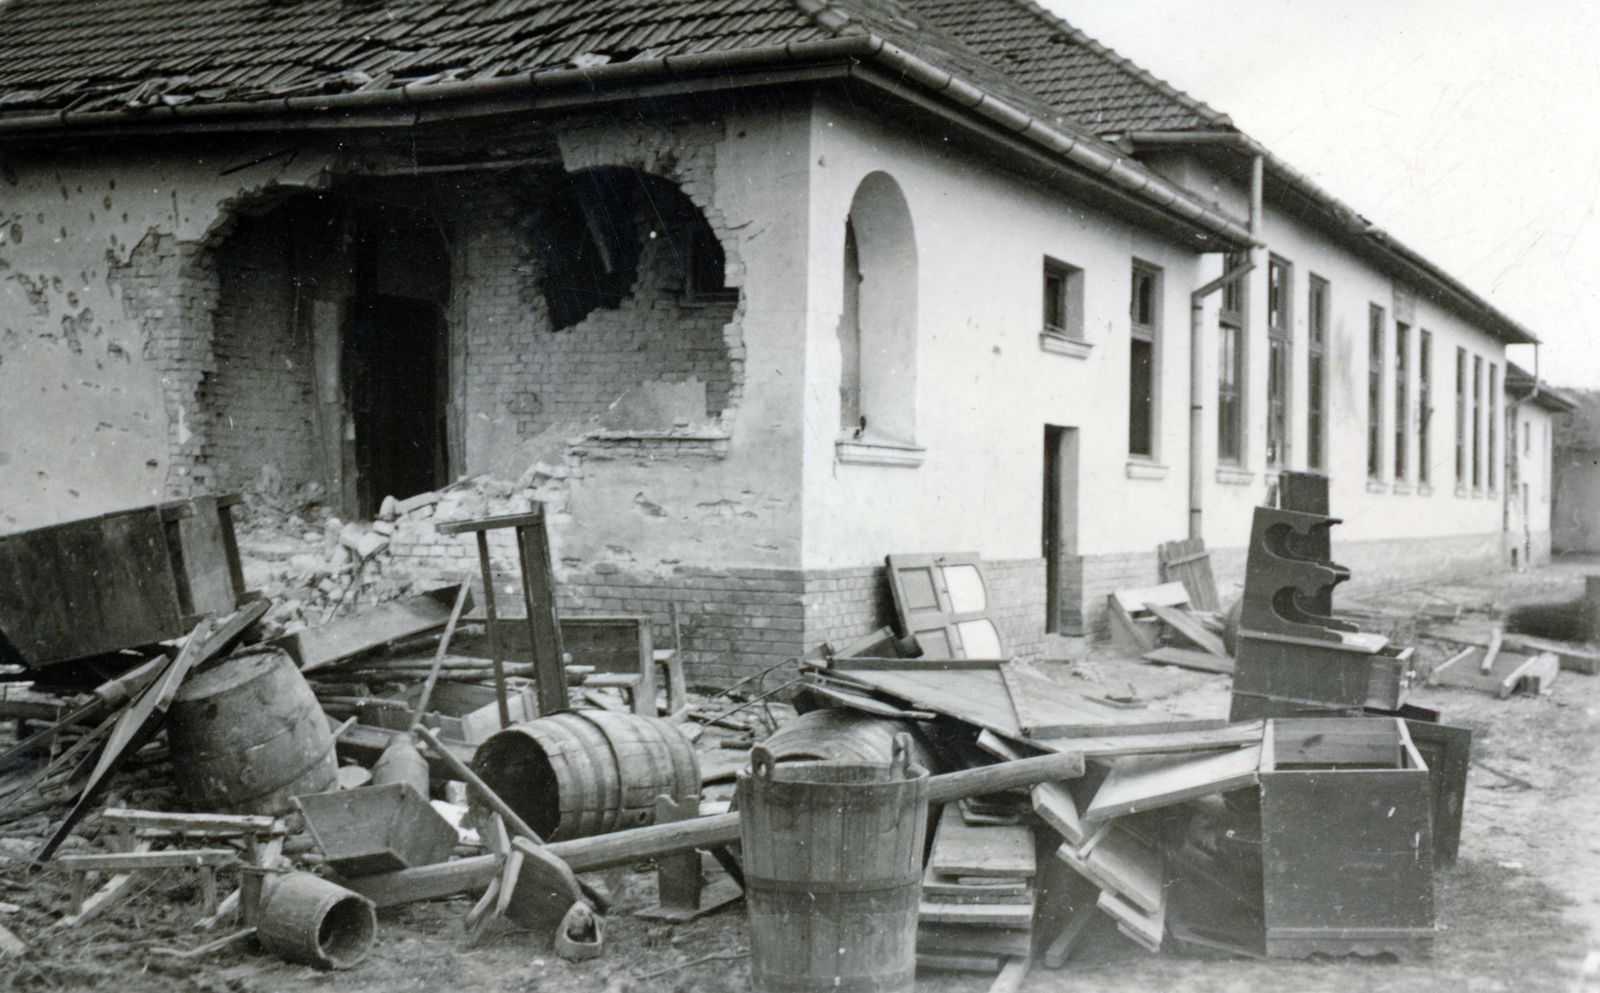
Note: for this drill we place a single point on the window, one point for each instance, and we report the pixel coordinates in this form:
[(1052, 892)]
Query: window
[(1461, 418), (1402, 411), (1316, 371), (1063, 299), (1230, 365), (1424, 406), (1144, 315), (878, 328), (1375, 318), (1527, 437), (1280, 283), (1477, 422), (1493, 422)]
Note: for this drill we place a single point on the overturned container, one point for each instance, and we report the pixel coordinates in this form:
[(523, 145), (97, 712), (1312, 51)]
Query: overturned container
[(574, 775), (247, 735), (304, 918), (833, 872)]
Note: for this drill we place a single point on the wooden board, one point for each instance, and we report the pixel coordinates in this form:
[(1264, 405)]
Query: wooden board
[(1047, 705), (1466, 673), (1136, 601), (1188, 658), (1190, 627), (957, 938), (948, 889), (1188, 562), (1055, 807), (1007, 915), (1122, 864), (373, 627), (943, 601), (976, 696), (1178, 736), (1146, 929), (1144, 782), (962, 849)]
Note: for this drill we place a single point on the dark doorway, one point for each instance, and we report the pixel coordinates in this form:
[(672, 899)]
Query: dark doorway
[(394, 362), (1063, 570)]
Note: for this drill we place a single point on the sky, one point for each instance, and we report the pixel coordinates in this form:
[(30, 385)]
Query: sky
[(1468, 129)]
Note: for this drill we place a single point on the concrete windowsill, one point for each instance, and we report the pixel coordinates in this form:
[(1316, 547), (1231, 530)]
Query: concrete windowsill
[(889, 453), (1230, 475), (1402, 489), (1059, 344), (1423, 489), (1139, 469), (1461, 491), (1377, 486)]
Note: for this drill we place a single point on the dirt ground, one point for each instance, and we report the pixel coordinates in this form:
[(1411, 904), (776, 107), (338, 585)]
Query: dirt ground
[(1518, 911)]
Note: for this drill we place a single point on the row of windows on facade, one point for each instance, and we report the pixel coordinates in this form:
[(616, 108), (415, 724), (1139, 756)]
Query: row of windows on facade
[(1063, 316)]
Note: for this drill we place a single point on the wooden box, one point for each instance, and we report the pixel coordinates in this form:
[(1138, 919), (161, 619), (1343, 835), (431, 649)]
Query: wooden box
[(1347, 838), (377, 829), (121, 580)]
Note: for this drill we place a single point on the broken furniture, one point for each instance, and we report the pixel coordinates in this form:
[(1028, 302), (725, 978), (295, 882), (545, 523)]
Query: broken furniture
[(538, 594), (122, 580), (1347, 838), (1294, 658), (1509, 673), (1134, 623), (376, 829), (943, 603), (206, 860), (624, 655), (833, 871), (374, 627), (686, 886)]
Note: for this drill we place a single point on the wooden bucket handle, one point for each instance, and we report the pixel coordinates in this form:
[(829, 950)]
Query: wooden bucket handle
[(761, 764)]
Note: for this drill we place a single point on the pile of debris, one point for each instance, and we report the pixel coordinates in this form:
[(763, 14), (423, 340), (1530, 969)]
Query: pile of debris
[(426, 746)]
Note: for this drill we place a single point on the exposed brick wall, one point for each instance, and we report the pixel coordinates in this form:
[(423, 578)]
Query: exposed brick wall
[(1104, 575), (261, 396), (171, 290)]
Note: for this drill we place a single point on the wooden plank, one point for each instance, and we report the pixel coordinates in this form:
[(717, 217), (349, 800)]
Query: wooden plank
[(1121, 863), (238, 823), (1144, 782), (958, 963), (1011, 975), (1135, 601), (1046, 705), (1012, 915), (962, 849), (912, 665), (1187, 658), (1061, 947), (1496, 635), (948, 889), (130, 861), (1467, 674), (374, 627), (1146, 929), (1575, 657), (107, 895), (1188, 562), (960, 938), (1534, 676), (1127, 633), (1190, 627), (866, 704), (1055, 807), (977, 697)]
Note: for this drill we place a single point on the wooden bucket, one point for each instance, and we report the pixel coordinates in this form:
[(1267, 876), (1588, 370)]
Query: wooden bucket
[(833, 872), (583, 773), (247, 735)]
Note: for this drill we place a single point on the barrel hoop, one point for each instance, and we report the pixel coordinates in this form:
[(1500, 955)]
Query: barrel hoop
[(884, 884), (788, 982)]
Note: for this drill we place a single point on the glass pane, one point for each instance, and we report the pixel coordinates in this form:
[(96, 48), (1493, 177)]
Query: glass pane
[(966, 589), (979, 639)]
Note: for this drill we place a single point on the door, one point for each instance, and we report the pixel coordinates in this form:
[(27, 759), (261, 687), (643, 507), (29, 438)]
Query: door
[(394, 359), (1062, 568)]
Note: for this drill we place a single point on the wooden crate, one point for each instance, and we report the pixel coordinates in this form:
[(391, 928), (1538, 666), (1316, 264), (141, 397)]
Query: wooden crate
[(121, 580), (1347, 838), (377, 829)]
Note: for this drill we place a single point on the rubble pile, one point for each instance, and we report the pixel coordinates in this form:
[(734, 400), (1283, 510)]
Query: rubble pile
[(265, 777)]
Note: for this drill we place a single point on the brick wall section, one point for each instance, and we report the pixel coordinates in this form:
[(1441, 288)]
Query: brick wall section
[(262, 393), (1104, 575), (170, 290), (515, 363)]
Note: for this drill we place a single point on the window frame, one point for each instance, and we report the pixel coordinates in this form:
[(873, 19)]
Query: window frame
[(1317, 293), (1477, 424), (1377, 322), (1280, 360), (1232, 322), (1067, 320), (1424, 405), (1145, 332), (1402, 402), (1493, 427)]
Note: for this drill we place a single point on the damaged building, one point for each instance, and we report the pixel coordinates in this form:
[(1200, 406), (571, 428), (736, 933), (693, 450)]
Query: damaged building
[(748, 294)]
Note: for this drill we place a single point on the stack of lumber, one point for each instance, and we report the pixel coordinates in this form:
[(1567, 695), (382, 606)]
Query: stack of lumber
[(977, 896)]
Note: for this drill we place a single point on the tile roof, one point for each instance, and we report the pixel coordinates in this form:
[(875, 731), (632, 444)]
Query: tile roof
[(104, 54), (1076, 74)]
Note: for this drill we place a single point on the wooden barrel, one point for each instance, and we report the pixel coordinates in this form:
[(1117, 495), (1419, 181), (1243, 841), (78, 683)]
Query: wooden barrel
[(247, 734), (839, 734), (588, 772), (833, 872)]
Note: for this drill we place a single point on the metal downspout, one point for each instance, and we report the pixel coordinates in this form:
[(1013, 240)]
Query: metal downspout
[(1197, 365)]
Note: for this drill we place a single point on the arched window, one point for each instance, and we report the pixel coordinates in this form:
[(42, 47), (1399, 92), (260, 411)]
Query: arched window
[(878, 328)]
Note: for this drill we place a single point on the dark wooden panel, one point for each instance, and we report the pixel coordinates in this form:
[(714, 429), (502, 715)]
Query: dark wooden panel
[(1448, 752)]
